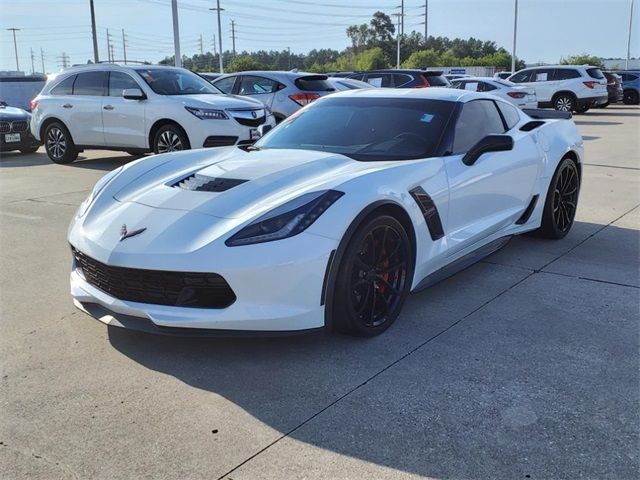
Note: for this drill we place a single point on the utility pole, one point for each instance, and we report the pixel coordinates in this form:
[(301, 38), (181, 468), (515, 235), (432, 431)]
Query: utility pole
[(399, 15), (33, 67), (93, 33), (42, 60), (626, 64), (233, 37), (402, 17), (124, 46), (176, 33), (201, 47), (289, 50), (426, 20), (515, 30), (15, 45), (109, 46), (218, 10), (113, 58), (64, 60)]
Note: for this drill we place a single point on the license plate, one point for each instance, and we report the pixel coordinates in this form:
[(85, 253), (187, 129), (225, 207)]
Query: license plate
[(12, 137), (254, 134)]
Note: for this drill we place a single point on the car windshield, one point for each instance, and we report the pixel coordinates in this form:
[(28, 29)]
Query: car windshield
[(366, 129), (173, 81)]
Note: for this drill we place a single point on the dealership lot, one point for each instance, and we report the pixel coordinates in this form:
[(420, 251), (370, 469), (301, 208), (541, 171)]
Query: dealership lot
[(523, 366)]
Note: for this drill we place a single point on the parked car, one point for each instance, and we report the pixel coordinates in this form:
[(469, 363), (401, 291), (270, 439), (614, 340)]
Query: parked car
[(630, 86), (402, 78), (502, 75), (330, 220), (283, 93), (17, 91), (139, 109), (340, 74), (569, 88), (340, 83), (210, 76), (14, 130), (455, 76), (520, 96), (614, 88)]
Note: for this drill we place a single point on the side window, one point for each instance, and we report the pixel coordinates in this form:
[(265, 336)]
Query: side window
[(65, 87), (523, 76), (400, 79), (379, 79), (250, 85), (542, 75), (225, 84), (357, 76), (471, 85), (478, 119), (566, 74), (118, 82), (457, 84), (485, 87), (509, 113), (89, 83)]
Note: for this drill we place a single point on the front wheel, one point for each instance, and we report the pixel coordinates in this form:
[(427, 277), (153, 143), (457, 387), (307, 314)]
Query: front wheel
[(564, 103), (561, 202), (374, 278), (630, 97), (170, 138), (59, 144)]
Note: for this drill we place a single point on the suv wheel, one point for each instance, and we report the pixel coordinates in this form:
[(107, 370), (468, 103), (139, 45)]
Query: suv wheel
[(170, 138), (630, 97), (59, 144), (564, 102)]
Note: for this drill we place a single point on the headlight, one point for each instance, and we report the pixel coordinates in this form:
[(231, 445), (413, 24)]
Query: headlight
[(207, 113), (84, 206), (287, 220)]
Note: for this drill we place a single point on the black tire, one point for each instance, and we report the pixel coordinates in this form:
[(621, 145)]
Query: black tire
[(561, 202), (565, 102), (59, 144), (374, 278), (630, 97), (134, 153), (170, 138), (29, 149), (582, 109), (604, 105)]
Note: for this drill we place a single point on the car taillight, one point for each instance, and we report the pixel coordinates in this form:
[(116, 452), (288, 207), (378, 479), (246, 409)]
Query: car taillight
[(33, 104), (425, 83), (516, 94), (304, 98), (590, 84)]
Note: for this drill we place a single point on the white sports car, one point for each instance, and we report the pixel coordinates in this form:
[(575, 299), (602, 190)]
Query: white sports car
[(330, 220)]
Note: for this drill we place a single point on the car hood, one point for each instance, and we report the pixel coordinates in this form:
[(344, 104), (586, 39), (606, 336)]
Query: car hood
[(217, 101), (244, 184), (13, 113)]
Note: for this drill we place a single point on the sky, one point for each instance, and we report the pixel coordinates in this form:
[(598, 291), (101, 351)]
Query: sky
[(547, 29)]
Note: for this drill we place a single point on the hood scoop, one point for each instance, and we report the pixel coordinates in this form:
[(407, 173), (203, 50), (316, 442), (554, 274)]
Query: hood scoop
[(202, 183)]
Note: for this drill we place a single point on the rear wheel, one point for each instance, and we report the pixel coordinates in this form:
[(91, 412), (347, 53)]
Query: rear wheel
[(374, 278), (565, 102), (59, 144), (170, 138), (561, 202), (630, 97), (604, 105)]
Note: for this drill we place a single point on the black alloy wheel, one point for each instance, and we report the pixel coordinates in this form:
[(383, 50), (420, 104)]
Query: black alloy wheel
[(59, 144), (562, 201), (374, 278)]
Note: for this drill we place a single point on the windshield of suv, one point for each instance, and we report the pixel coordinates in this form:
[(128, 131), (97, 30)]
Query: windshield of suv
[(172, 81), (366, 129)]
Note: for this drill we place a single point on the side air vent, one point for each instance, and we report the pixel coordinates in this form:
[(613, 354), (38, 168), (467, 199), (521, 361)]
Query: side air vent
[(527, 127), (430, 212), (524, 218), (200, 183)]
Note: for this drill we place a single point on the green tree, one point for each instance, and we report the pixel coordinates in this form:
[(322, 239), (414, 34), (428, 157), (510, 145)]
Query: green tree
[(371, 59), (582, 59), (422, 59), (242, 63)]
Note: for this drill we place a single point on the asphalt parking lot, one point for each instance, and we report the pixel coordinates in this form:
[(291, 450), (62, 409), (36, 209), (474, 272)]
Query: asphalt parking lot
[(523, 366)]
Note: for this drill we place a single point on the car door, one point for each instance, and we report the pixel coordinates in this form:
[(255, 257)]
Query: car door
[(493, 192), (123, 120), (544, 83), (260, 88), (84, 108), (226, 84)]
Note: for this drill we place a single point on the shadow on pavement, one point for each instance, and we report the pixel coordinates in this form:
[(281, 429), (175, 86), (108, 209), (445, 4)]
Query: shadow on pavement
[(538, 382), (40, 158)]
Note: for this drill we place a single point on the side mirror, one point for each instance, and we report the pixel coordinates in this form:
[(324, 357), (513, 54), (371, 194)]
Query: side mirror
[(490, 143), (133, 94), (263, 129)]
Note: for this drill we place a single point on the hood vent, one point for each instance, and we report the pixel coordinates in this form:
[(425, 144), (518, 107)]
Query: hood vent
[(200, 183)]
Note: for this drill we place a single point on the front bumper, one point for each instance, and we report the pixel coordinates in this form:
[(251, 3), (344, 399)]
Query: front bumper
[(222, 133), (278, 286), (26, 141)]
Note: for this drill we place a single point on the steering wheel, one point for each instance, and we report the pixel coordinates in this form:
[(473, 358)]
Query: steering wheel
[(409, 136)]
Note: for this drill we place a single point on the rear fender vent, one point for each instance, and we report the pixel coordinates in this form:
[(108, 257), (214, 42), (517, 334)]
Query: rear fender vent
[(527, 127), (200, 183), (429, 211)]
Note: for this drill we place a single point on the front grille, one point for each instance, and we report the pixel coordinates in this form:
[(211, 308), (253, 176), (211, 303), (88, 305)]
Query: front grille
[(201, 183), (219, 141), (251, 122), (5, 127), (20, 126), (178, 289)]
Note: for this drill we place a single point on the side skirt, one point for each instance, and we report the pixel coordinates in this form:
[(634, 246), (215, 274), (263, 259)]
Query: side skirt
[(462, 263)]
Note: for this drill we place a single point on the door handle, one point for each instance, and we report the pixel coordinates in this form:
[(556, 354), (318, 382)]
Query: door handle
[(67, 105), (108, 107)]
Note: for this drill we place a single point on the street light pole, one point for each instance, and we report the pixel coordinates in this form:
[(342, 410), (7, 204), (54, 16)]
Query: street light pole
[(626, 65), (515, 30), (93, 33), (176, 33), (15, 45), (218, 10), (399, 15)]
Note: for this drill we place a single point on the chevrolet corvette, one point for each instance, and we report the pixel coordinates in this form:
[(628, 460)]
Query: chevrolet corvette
[(329, 221)]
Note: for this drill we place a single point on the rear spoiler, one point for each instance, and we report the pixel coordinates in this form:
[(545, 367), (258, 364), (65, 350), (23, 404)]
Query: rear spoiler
[(542, 114)]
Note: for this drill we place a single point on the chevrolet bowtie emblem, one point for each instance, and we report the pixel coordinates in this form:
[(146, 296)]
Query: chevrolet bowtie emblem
[(126, 234)]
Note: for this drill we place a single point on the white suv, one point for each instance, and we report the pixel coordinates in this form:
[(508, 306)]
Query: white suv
[(140, 109), (570, 88)]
